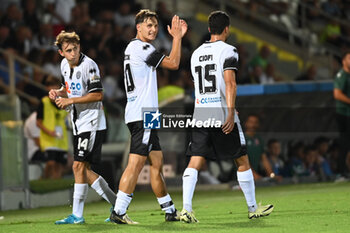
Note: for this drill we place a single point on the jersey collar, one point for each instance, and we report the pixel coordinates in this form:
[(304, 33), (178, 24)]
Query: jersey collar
[(209, 42), (81, 58)]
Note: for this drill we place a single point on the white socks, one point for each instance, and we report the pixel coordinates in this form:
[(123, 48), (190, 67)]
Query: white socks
[(102, 188), (166, 204), (79, 197), (122, 202), (246, 181), (189, 180)]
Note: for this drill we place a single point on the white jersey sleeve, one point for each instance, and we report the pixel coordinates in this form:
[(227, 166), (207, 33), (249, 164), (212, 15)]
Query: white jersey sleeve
[(230, 58)]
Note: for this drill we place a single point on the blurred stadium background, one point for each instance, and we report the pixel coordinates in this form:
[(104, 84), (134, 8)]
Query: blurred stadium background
[(289, 55)]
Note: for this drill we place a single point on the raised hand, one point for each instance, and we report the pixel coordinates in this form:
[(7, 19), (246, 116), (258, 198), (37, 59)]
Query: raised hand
[(178, 27), (183, 27)]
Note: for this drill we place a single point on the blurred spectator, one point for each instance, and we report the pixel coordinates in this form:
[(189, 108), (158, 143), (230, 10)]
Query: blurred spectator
[(80, 15), (332, 8), (113, 91), (22, 41), (44, 40), (274, 157), (310, 15), (269, 76), (32, 134), (164, 16), (12, 17), (256, 73), (332, 33), (311, 161), (30, 17), (341, 93), (322, 145), (51, 63), (334, 157), (261, 59), (59, 13), (4, 74), (296, 161), (123, 17), (255, 148), (53, 133), (309, 74), (4, 36), (242, 71)]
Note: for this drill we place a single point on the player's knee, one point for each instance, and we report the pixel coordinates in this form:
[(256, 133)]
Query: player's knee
[(156, 169)]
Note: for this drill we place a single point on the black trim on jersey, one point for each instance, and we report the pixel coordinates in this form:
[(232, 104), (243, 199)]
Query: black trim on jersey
[(75, 117), (95, 86), (71, 73), (63, 82), (230, 63), (81, 58), (154, 59)]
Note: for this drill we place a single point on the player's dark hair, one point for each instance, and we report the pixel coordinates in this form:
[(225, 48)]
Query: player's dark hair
[(145, 14), (218, 21)]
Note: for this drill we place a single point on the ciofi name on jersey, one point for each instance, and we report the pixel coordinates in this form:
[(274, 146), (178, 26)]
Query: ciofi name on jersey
[(208, 57)]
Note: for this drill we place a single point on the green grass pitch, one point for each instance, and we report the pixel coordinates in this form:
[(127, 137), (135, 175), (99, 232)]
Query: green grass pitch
[(298, 208)]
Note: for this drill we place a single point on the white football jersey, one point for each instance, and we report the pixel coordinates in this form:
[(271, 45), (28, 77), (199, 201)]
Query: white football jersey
[(79, 81), (208, 63), (140, 62)]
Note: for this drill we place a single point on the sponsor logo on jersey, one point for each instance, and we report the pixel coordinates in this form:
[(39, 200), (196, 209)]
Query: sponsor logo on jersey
[(73, 88), (151, 119), (208, 100), (132, 98)]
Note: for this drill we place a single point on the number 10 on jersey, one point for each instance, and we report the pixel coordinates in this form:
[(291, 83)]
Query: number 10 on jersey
[(130, 86)]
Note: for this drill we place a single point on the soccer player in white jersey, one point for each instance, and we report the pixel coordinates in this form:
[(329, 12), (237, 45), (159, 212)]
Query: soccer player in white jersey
[(213, 67), (81, 94), (140, 63)]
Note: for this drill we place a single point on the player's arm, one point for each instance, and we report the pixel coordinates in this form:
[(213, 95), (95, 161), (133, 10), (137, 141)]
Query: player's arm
[(339, 95), (89, 98), (177, 31), (231, 90)]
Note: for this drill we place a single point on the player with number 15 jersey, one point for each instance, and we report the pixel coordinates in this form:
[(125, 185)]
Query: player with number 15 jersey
[(208, 63)]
